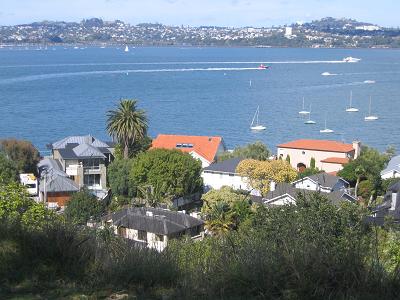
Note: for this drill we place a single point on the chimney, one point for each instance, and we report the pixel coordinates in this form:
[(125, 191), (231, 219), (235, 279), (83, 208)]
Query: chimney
[(272, 186), (357, 148)]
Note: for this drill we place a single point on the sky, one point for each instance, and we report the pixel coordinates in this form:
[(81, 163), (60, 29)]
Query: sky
[(234, 13)]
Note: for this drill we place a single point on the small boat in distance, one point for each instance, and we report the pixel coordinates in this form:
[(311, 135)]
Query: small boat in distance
[(303, 112), (262, 67), (369, 81), (326, 130), (370, 117), (350, 59), (351, 108), (257, 126), (126, 48), (309, 121), (328, 74)]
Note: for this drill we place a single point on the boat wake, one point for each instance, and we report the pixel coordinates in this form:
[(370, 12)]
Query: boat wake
[(180, 63), (89, 73)]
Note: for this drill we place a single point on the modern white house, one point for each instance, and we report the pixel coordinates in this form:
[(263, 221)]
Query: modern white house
[(330, 156), (321, 182), (393, 169), (85, 159), (204, 148), (153, 227)]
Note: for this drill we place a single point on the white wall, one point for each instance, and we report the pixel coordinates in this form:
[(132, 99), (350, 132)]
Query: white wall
[(282, 201), (216, 181), (307, 184), (392, 174)]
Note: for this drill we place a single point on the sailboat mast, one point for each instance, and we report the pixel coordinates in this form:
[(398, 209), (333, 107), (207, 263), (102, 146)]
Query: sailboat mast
[(351, 99), (370, 100)]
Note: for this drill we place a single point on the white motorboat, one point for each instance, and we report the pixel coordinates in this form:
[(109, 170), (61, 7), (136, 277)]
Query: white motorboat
[(351, 59)]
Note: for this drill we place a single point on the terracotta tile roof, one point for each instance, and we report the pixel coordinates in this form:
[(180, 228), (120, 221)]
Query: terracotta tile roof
[(319, 145), (205, 146), (336, 160)]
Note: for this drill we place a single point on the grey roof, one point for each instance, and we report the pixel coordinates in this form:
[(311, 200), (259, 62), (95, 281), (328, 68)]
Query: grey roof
[(58, 183), (56, 179), (226, 166), (80, 139), (324, 179), (86, 150), (163, 222), (282, 189), (393, 165), (395, 187)]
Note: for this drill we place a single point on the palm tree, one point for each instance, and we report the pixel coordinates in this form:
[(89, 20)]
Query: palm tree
[(127, 124)]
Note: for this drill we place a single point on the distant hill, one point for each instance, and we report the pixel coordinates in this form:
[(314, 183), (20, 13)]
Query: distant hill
[(327, 32)]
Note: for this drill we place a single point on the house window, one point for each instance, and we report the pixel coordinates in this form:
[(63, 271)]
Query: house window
[(142, 235), (122, 232), (303, 152), (91, 179), (231, 174), (159, 238)]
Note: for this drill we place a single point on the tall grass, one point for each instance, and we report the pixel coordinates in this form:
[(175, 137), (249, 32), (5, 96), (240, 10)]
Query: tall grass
[(310, 251)]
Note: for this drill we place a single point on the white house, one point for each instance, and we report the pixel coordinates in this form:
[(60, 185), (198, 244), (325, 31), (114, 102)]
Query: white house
[(321, 182), (393, 169), (222, 174), (329, 156), (204, 148), (153, 227)]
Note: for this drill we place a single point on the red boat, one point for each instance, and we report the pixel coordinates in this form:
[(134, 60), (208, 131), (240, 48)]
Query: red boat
[(262, 67)]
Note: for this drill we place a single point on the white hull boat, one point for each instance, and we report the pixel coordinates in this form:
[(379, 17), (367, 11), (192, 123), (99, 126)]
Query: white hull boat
[(351, 108), (303, 111), (255, 125), (370, 117)]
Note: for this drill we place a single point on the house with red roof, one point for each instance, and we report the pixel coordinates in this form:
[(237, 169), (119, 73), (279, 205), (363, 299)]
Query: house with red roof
[(329, 156), (204, 148)]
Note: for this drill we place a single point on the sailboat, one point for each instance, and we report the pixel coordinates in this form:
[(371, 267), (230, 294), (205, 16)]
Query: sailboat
[(309, 121), (257, 126), (351, 108), (326, 130), (370, 117), (126, 48), (303, 112)]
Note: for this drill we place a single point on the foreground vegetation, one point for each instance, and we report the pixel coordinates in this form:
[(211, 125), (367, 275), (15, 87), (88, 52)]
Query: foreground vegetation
[(310, 251)]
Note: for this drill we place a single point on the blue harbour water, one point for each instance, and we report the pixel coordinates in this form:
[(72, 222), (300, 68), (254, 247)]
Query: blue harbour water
[(49, 94)]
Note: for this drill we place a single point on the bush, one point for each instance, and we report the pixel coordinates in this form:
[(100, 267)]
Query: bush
[(83, 206), (118, 177)]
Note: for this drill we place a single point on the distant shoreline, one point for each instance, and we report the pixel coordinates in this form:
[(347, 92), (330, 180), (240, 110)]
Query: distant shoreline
[(121, 45)]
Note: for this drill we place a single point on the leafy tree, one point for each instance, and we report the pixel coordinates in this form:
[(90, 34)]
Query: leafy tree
[(259, 174), (360, 173), (127, 124), (172, 172), (83, 206), (8, 170), (367, 166), (386, 183), (16, 207), (225, 209), (118, 177), (23, 153), (365, 190), (257, 150), (288, 158)]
